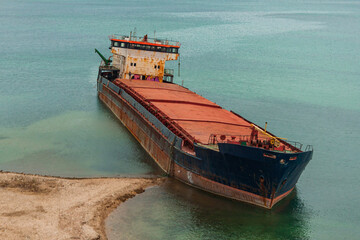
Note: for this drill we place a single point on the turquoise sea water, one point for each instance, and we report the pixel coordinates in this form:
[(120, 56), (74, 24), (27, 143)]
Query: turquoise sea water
[(294, 64)]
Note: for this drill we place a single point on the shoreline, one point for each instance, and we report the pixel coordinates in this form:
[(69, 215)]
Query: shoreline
[(45, 207)]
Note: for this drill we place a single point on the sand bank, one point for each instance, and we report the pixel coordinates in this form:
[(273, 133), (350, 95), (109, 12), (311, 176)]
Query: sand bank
[(38, 207)]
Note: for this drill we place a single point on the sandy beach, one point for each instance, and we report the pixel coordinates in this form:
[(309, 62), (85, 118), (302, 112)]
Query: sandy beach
[(39, 207)]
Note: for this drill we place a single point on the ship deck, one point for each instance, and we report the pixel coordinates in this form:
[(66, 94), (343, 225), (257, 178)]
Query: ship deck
[(198, 116)]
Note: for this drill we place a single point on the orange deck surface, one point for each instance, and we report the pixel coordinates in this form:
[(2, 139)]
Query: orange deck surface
[(195, 114)]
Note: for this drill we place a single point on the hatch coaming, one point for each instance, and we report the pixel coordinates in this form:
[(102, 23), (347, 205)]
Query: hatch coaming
[(199, 120)]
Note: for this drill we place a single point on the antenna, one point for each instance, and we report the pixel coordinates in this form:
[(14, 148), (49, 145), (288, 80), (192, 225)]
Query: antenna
[(134, 31), (179, 66)]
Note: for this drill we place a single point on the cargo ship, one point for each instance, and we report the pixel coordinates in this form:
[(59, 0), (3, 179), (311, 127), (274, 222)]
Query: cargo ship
[(190, 137)]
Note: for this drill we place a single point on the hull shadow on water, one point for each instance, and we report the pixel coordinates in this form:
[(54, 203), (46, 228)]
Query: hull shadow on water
[(175, 210)]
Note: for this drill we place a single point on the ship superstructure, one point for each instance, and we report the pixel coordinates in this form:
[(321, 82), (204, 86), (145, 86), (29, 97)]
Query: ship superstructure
[(143, 58), (191, 138)]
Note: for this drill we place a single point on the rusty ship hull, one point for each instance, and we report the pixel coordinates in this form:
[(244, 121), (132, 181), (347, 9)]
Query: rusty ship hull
[(173, 124)]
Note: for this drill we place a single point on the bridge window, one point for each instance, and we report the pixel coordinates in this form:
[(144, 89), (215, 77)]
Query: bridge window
[(119, 44), (144, 47)]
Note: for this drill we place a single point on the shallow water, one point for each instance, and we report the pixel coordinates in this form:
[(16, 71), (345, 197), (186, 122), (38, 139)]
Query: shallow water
[(293, 64), (181, 212)]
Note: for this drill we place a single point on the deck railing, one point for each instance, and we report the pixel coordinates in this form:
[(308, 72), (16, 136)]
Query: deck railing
[(145, 39), (260, 141), (169, 72), (236, 139)]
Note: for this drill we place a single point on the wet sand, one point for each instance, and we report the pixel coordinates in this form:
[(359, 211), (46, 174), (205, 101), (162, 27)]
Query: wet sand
[(39, 207)]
